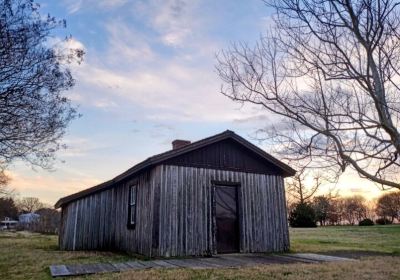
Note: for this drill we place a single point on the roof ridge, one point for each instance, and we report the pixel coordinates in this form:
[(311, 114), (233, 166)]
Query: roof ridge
[(159, 158)]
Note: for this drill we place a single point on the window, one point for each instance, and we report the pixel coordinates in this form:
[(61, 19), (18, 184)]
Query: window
[(132, 206)]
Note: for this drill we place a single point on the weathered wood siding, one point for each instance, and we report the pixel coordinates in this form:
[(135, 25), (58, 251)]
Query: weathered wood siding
[(225, 155), (185, 222), (175, 214), (99, 221)]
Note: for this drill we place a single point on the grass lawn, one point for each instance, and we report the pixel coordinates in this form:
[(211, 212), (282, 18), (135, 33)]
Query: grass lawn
[(381, 239), (27, 256)]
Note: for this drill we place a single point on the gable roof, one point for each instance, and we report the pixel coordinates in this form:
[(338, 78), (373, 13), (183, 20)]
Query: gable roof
[(158, 159)]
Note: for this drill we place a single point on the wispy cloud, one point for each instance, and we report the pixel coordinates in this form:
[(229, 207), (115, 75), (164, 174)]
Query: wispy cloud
[(180, 86), (127, 47), (48, 187), (76, 147), (171, 90), (74, 6), (174, 20)]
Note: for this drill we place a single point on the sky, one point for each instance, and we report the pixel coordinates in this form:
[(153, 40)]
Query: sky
[(148, 78)]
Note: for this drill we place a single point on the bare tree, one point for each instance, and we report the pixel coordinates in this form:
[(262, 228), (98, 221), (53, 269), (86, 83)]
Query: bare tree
[(322, 206), (335, 211), (29, 204), (33, 74), (301, 190), (330, 70), (48, 222), (388, 206), (354, 209)]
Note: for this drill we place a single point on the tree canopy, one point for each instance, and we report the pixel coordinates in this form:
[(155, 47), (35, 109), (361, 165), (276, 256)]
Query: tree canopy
[(330, 71), (34, 73), (388, 206)]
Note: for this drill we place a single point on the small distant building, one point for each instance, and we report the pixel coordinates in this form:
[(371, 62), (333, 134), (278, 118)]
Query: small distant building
[(218, 195), (8, 223), (28, 218)]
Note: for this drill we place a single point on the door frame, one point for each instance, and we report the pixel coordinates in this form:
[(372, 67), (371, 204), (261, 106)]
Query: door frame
[(215, 184)]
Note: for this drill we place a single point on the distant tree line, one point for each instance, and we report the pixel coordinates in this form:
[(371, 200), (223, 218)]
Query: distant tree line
[(328, 210), (48, 219), (306, 209)]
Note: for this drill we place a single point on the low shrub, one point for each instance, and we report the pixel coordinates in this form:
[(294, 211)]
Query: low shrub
[(303, 215), (383, 221), (366, 222)]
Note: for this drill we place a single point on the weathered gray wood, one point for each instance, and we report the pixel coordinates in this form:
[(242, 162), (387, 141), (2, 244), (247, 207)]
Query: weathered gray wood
[(77, 269), (165, 264), (320, 258), (291, 259), (148, 264), (135, 265), (225, 261), (275, 259), (259, 211), (184, 263), (211, 262), (175, 214), (236, 260), (101, 220), (59, 271), (121, 266)]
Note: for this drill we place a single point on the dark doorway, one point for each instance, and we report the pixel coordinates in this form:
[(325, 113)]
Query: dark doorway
[(226, 216)]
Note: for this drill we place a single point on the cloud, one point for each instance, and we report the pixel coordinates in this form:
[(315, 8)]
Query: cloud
[(47, 186), (74, 6), (126, 46), (105, 103), (73, 43), (174, 20), (169, 91), (359, 190), (75, 147), (62, 44), (252, 119), (132, 70), (80, 147), (159, 82), (134, 75)]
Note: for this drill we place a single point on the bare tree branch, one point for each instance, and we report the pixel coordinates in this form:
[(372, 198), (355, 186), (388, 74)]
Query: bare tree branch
[(330, 70), (34, 113)]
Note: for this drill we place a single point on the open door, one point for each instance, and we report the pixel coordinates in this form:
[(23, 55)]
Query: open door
[(227, 220)]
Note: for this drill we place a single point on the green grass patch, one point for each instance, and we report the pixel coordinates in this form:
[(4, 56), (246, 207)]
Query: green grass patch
[(379, 239), (28, 256)]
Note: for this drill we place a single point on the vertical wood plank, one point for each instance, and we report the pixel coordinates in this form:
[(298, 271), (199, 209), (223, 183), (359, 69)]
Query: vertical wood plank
[(175, 214)]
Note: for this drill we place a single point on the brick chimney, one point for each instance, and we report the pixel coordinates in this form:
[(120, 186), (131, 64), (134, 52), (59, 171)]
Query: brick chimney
[(176, 144)]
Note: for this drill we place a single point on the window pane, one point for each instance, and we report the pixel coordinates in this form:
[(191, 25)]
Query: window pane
[(133, 195), (132, 204), (133, 214)]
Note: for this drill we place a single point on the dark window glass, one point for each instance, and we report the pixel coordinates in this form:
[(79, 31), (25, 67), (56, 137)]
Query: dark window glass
[(132, 205)]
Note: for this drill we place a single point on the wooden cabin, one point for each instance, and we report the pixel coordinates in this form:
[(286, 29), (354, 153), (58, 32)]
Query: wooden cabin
[(218, 195)]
